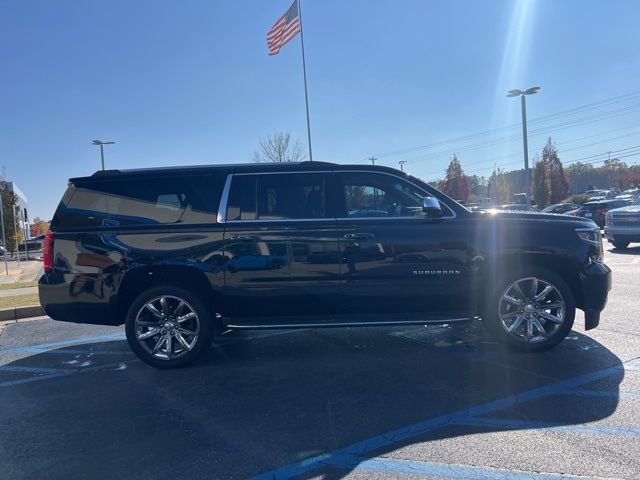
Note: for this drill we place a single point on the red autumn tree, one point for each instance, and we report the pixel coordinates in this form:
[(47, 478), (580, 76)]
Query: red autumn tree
[(456, 183)]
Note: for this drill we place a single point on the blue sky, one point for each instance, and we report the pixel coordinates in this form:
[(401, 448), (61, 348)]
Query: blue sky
[(191, 83)]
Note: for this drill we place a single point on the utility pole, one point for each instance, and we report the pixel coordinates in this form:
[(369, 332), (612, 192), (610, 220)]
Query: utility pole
[(373, 160), (402, 162)]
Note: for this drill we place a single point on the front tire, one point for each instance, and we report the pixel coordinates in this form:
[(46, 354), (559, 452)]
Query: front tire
[(530, 310), (168, 326)]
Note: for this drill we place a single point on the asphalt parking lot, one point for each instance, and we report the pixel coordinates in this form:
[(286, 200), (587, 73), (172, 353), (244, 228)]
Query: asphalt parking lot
[(437, 402)]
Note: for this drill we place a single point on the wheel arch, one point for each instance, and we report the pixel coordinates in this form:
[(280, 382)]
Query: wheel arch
[(562, 266), (139, 279)]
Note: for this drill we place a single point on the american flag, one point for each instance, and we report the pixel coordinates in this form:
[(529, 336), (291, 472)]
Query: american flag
[(287, 26)]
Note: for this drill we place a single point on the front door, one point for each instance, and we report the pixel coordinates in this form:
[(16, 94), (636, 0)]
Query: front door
[(281, 249), (394, 257)]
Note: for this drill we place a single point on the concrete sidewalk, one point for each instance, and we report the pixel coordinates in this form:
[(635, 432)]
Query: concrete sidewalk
[(28, 271)]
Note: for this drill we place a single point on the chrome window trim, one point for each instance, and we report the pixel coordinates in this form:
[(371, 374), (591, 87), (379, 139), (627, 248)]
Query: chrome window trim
[(222, 210)]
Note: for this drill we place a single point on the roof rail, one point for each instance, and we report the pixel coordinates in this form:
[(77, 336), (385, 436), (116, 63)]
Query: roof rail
[(313, 162), (100, 173)]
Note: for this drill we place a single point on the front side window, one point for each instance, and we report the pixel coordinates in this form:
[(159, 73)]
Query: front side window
[(377, 195), (277, 197)]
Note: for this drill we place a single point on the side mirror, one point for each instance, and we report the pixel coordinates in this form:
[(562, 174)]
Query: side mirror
[(431, 207)]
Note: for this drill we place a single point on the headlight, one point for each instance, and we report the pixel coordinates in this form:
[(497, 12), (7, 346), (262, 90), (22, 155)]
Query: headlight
[(594, 238)]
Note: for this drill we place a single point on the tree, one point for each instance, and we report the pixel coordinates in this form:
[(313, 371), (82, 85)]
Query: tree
[(558, 178), (541, 184), (456, 183), (277, 148), (39, 227), (499, 189), (12, 230)]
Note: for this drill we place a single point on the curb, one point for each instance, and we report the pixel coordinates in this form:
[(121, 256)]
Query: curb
[(17, 313)]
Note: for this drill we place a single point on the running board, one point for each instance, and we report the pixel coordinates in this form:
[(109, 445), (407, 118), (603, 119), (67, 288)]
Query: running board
[(332, 322)]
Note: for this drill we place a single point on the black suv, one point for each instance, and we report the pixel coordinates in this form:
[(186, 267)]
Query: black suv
[(181, 254)]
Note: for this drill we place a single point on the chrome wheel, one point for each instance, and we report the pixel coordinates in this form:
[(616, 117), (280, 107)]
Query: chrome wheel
[(531, 309), (167, 327)]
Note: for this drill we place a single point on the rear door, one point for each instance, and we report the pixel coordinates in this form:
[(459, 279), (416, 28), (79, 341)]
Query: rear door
[(281, 249), (395, 258)]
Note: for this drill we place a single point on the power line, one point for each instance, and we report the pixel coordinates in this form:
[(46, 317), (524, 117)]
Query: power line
[(510, 155), (604, 156), (587, 107), (533, 133)]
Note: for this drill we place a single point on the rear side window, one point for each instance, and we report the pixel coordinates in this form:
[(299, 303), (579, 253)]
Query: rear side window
[(277, 197), (141, 201)]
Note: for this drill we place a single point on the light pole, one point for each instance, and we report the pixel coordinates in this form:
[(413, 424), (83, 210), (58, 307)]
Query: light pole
[(15, 233), (402, 162), (4, 238), (523, 103), (102, 144), (373, 160)]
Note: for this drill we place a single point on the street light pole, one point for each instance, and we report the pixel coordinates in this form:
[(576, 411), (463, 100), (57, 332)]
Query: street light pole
[(525, 143), (373, 160), (402, 162), (15, 233), (102, 144), (4, 238)]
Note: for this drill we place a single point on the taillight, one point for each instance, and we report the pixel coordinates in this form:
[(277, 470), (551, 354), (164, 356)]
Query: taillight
[(47, 256)]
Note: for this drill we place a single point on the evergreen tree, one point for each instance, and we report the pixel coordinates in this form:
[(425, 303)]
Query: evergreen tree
[(456, 183), (541, 184), (558, 178)]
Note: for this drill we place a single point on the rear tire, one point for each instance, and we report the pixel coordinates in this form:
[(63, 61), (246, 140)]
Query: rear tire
[(528, 321), (620, 245), (168, 326)]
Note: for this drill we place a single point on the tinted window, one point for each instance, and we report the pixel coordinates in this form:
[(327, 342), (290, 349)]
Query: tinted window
[(141, 201), (277, 197), (377, 195), (241, 204), (290, 196)]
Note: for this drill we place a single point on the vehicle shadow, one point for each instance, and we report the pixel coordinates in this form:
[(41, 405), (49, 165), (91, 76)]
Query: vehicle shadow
[(630, 250), (262, 400)]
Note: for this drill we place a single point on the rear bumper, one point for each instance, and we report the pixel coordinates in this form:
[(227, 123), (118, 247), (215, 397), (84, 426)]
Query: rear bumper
[(78, 298), (595, 283)]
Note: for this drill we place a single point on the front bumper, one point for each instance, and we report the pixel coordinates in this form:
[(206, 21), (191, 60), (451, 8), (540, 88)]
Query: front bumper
[(622, 234), (595, 283)]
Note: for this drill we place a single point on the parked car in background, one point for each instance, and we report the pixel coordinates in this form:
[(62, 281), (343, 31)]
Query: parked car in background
[(517, 206), (181, 254), (631, 194), (596, 211), (560, 208), (623, 225), (32, 244), (594, 192)]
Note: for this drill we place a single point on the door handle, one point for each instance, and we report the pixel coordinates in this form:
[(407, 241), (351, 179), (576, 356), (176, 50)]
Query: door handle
[(359, 236), (244, 237)]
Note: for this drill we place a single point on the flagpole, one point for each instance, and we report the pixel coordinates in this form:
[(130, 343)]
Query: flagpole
[(304, 74)]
